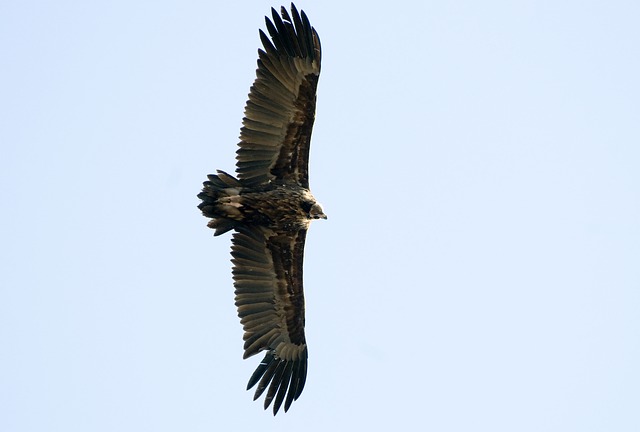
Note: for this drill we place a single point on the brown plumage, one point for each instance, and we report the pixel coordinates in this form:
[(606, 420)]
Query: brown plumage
[(270, 207)]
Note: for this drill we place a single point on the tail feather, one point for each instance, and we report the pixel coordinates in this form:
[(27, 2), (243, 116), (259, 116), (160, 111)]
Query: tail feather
[(222, 225), (228, 179), (220, 202)]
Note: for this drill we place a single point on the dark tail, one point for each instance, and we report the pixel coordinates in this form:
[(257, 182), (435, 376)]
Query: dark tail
[(220, 202)]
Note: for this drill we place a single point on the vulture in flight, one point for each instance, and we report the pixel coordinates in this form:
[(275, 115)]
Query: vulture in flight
[(269, 206)]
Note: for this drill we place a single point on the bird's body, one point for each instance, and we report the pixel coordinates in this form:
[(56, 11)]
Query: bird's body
[(280, 206), (270, 207)]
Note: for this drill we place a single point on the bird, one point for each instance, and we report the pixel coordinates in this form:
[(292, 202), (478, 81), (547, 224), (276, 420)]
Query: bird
[(269, 206)]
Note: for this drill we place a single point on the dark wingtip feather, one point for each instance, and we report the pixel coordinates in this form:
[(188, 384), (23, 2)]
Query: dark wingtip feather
[(284, 385), (301, 377), (261, 369), (266, 43), (284, 13), (264, 382), (275, 384), (293, 385), (300, 31), (281, 34), (271, 29), (284, 380)]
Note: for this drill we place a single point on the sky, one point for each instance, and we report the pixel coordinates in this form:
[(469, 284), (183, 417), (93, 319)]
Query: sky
[(478, 162)]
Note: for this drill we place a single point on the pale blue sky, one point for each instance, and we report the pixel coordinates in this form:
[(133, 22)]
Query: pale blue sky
[(480, 166)]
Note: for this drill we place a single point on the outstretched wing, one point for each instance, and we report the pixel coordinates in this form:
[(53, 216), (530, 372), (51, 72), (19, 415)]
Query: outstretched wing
[(267, 273), (279, 114)]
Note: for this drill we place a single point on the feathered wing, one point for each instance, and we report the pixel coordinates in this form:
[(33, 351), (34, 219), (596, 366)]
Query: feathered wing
[(279, 114), (267, 273)]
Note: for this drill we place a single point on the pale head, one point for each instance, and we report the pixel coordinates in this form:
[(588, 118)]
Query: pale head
[(316, 212)]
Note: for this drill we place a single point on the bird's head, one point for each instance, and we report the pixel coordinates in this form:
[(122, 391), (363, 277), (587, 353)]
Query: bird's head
[(315, 212)]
